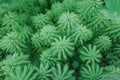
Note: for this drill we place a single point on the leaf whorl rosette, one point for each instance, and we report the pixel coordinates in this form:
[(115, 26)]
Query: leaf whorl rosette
[(90, 54), (81, 34), (67, 22), (62, 48)]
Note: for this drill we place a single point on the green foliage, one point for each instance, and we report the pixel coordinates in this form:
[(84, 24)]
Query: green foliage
[(91, 72), (25, 32), (62, 73), (62, 48), (22, 73), (36, 40), (12, 43), (113, 30), (88, 8), (67, 22), (47, 39), (12, 61), (90, 54), (3, 31), (3, 8), (23, 19), (10, 20), (44, 72), (69, 5), (81, 34), (57, 10), (47, 58), (43, 4), (110, 68), (21, 5), (40, 20), (117, 49), (114, 75), (48, 33), (103, 43), (99, 21)]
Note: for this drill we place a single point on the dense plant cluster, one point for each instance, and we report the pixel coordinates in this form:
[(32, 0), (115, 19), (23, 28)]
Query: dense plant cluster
[(59, 39)]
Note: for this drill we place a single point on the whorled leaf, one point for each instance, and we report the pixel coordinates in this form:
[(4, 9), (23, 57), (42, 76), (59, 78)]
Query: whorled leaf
[(90, 54), (40, 20), (62, 48), (47, 58), (62, 73), (67, 22), (81, 34), (103, 43), (91, 72), (12, 43), (12, 61), (44, 72), (25, 72)]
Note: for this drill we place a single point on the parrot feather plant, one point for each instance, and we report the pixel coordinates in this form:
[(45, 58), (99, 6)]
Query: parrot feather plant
[(59, 39)]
